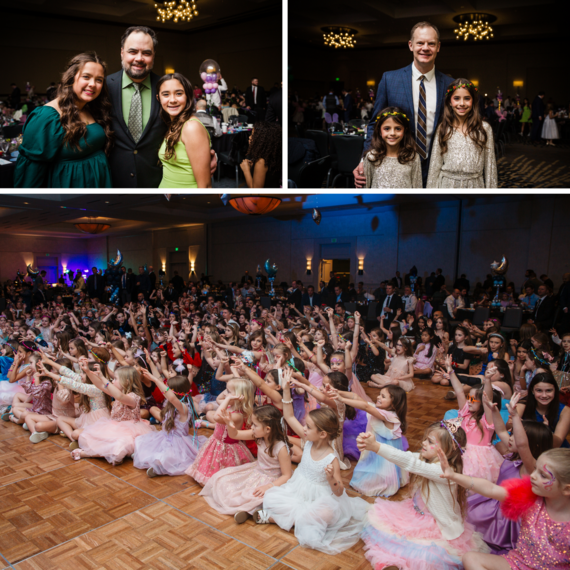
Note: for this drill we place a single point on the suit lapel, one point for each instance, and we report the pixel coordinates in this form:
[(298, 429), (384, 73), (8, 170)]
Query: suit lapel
[(154, 108), (408, 89), (440, 91), (117, 99)]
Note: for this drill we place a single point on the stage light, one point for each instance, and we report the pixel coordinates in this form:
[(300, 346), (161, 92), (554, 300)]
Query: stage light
[(474, 26), (182, 10), (339, 37)]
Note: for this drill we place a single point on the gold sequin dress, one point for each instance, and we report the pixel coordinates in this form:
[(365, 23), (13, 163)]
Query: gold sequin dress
[(464, 165), (391, 174)]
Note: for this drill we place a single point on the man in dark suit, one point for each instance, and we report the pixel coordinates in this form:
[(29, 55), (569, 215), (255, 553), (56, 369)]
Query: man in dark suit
[(95, 285), (295, 297), (310, 298), (177, 281), (139, 129), (143, 282), (403, 88), (389, 305), (439, 280), (255, 99), (152, 278), (348, 104), (339, 296), (123, 284), (543, 314), (537, 117), (564, 303)]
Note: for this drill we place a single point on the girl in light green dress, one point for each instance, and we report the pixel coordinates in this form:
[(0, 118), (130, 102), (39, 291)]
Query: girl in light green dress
[(185, 152), (526, 121)]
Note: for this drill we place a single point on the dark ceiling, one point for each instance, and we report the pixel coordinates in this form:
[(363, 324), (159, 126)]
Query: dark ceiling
[(384, 23)]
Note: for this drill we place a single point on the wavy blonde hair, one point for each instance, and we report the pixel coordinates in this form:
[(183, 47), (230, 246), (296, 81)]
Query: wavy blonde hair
[(243, 387)]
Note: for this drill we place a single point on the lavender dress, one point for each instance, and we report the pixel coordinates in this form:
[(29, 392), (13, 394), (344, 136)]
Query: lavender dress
[(500, 533)]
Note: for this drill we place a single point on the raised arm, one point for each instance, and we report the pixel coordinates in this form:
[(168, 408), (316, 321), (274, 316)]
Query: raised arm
[(181, 408), (107, 387), (455, 383), (320, 361), (288, 412)]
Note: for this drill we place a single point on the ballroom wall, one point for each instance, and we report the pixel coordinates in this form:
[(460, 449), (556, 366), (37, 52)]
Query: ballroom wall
[(537, 63), (532, 231), (38, 48)]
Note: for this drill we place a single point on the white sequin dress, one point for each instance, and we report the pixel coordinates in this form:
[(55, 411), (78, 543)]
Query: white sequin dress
[(391, 174), (322, 520), (464, 165)]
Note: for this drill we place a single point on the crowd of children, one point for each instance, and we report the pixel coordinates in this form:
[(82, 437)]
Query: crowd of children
[(284, 399)]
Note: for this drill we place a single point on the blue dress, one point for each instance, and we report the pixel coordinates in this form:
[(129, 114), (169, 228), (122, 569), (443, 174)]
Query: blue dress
[(373, 475), (5, 363), (540, 419)]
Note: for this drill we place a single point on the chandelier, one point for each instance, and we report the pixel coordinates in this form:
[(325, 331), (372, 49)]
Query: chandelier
[(339, 37), (255, 205), (92, 226), (173, 10), (474, 26)]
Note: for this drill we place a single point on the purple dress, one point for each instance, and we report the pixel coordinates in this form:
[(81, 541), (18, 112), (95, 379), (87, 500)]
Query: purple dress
[(500, 533)]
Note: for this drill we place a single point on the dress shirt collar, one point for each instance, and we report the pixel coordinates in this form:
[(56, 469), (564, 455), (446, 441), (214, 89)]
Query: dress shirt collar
[(127, 82), (416, 73)]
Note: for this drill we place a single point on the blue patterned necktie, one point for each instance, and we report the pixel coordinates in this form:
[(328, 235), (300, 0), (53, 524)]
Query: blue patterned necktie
[(421, 135), (135, 113)]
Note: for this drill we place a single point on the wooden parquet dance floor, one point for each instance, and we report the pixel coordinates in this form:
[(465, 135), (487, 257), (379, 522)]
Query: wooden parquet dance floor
[(87, 515)]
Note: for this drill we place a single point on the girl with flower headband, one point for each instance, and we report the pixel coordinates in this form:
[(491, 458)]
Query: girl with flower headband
[(427, 531), (543, 405), (239, 491), (481, 459), (463, 152), (171, 450), (392, 161)]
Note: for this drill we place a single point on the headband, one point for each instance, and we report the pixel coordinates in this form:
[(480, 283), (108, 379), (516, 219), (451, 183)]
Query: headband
[(467, 85), (392, 114), (497, 335), (291, 363), (451, 428), (28, 347), (96, 357), (541, 360)]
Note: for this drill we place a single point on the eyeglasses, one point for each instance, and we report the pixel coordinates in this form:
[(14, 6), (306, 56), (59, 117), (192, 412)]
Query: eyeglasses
[(472, 399)]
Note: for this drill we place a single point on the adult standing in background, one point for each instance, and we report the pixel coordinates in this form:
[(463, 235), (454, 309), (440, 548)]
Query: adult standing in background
[(15, 97), (537, 116), (418, 90), (136, 121), (348, 103), (255, 99)]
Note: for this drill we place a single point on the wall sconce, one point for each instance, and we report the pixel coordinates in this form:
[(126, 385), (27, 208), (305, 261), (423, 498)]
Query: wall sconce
[(475, 82), (361, 267), (518, 83), (168, 70), (192, 267), (370, 83), (309, 263), (164, 266)]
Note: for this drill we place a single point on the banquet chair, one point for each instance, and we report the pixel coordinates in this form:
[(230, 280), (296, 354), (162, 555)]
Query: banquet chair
[(322, 141), (312, 174), (243, 119), (350, 308), (228, 112), (349, 151), (512, 320), (371, 316), (481, 315), (233, 158)]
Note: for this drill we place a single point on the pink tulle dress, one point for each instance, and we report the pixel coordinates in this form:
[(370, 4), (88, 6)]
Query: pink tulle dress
[(398, 368), (114, 438), (231, 489), (97, 402), (168, 452), (218, 453), (9, 389), (480, 459)]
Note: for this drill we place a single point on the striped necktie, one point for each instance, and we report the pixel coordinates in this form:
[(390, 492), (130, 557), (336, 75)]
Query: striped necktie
[(421, 135)]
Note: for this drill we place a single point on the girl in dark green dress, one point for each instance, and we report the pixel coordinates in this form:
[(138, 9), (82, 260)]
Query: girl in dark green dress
[(65, 142)]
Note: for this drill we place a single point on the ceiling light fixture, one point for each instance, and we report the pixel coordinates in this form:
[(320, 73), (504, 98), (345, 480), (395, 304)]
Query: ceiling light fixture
[(254, 205), (92, 226), (339, 37), (474, 26), (173, 10)]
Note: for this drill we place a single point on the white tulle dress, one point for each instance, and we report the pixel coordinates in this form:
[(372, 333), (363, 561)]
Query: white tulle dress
[(322, 520), (9, 389)]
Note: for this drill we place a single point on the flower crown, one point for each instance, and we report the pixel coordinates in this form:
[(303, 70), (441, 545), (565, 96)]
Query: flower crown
[(467, 85), (393, 114), (452, 427)]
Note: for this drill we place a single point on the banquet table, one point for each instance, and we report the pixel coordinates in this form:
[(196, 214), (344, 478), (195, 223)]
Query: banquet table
[(225, 142), (7, 174), (496, 313)]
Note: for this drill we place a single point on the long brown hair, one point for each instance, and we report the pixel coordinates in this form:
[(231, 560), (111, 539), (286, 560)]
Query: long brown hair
[(100, 108), (407, 150), (271, 417), (84, 398), (179, 385), (176, 123), (399, 403), (266, 142), (474, 121), (339, 381), (453, 454)]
